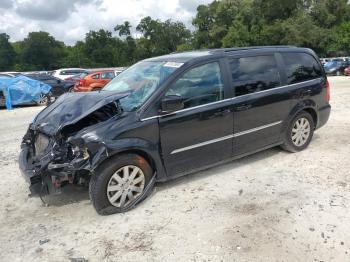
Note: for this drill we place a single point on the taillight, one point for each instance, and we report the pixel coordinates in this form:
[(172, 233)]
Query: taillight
[(328, 91), (82, 82)]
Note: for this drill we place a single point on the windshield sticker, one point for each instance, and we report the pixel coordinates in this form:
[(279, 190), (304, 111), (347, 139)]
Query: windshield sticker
[(173, 64)]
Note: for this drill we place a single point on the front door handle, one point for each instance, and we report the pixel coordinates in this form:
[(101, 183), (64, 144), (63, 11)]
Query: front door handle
[(243, 107)]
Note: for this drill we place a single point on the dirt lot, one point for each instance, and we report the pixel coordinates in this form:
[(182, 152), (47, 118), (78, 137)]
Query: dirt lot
[(271, 206)]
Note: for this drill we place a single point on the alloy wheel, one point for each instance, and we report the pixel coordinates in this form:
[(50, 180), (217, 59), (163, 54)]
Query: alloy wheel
[(125, 185), (301, 131)]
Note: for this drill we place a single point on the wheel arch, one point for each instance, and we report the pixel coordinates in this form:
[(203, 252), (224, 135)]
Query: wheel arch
[(305, 105), (139, 147)]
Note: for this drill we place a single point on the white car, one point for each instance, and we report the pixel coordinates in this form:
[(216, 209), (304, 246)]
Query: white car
[(65, 73)]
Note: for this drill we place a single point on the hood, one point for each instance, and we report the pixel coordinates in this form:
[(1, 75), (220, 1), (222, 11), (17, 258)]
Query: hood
[(70, 108)]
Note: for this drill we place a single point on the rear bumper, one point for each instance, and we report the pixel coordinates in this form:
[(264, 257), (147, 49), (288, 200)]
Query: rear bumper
[(323, 115)]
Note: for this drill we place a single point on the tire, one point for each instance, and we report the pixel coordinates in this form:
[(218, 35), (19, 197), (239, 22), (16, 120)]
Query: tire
[(2, 101), (298, 138), (110, 175), (44, 100)]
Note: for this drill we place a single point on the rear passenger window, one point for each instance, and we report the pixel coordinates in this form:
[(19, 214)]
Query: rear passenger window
[(254, 74), (301, 67)]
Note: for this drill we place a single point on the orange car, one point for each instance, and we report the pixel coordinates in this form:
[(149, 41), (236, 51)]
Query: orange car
[(94, 81)]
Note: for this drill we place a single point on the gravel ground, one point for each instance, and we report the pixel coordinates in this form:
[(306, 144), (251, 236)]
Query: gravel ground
[(271, 206)]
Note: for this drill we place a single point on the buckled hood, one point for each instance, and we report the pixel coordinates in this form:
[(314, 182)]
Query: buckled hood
[(70, 108)]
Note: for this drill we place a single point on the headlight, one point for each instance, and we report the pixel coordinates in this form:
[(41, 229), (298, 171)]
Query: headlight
[(41, 143)]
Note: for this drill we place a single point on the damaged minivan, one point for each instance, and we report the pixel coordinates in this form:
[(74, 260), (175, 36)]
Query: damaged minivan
[(173, 115)]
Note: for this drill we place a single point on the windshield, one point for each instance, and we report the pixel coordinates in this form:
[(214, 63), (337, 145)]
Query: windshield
[(140, 81)]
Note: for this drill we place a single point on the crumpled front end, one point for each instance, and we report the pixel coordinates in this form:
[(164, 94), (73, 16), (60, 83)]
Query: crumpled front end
[(53, 157), (47, 164)]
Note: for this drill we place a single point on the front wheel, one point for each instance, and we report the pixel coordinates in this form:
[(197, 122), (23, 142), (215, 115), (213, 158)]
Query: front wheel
[(299, 132), (44, 100), (120, 183)]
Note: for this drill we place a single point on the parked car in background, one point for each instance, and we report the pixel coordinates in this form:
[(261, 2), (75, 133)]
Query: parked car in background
[(347, 71), (22, 90), (9, 74), (3, 75), (172, 115), (94, 81), (77, 77), (335, 67), (68, 72), (59, 86)]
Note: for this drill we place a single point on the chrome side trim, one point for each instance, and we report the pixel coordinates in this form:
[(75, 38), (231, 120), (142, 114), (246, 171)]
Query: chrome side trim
[(201, 144), (256, 129), (224, 138), (228, 99)]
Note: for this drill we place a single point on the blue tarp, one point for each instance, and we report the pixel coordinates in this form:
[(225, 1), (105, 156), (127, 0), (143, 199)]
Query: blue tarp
[(22, 90)]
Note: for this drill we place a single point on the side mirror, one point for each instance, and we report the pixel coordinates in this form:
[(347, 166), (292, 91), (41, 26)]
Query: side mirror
[(171, 104)]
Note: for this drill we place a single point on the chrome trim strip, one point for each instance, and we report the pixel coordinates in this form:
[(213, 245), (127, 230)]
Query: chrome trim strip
[(201, 144), (256, 129), (228, 99), (225, 138)]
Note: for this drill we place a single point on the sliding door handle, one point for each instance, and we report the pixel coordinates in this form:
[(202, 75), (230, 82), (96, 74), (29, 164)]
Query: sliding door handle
[(243, 107)]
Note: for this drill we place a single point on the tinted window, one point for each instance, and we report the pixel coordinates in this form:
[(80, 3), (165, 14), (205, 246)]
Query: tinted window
[(301, 67), (200, 85), (97, 76), (254, 74), (107, 75)]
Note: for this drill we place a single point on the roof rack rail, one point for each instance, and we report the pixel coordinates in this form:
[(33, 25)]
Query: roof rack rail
[(249, 48)]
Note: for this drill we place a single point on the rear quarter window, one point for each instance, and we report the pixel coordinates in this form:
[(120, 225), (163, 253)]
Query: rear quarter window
[(301, 67)]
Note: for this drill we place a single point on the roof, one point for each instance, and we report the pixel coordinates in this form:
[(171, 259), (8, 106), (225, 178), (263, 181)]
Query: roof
[(189, 55)]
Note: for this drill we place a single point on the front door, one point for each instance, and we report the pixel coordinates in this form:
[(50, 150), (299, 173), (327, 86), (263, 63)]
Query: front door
[(201, 133)]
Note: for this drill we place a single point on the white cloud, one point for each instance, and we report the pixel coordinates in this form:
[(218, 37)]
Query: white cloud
[(70, 20)]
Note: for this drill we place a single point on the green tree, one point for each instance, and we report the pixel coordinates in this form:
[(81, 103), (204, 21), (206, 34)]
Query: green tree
[(160, 37), (7, 53), (123, 29), (99, 48), (40, 51)]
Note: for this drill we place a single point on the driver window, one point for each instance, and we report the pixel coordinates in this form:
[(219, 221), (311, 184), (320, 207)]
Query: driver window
[(200, 85)]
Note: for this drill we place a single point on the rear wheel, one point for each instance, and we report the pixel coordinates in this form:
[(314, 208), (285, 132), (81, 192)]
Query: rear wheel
[(120, 183), (299, 133)]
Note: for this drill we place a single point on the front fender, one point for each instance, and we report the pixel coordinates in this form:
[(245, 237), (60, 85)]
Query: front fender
[(111, 148)]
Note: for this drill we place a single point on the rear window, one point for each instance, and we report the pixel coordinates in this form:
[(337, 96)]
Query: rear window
[(254, 74), (301, 67)]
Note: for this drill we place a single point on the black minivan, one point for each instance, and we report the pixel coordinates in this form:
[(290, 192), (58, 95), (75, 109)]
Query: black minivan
[(172, 115)]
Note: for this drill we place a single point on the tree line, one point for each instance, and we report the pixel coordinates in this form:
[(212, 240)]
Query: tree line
[(323, 25)]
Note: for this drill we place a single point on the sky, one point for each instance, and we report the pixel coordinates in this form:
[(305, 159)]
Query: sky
[(70, 20)]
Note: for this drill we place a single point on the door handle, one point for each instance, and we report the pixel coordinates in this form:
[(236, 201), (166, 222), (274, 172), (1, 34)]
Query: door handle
[(306, 92), (222, 113), (243, 107)]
